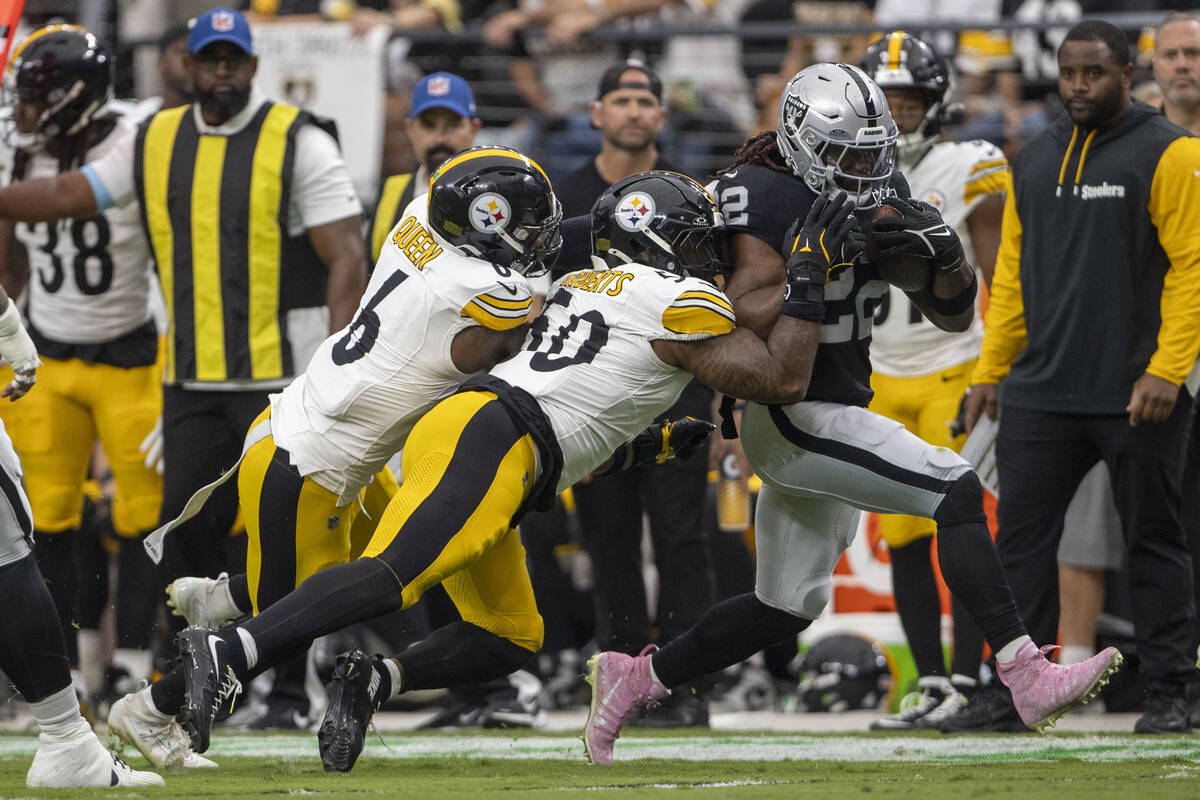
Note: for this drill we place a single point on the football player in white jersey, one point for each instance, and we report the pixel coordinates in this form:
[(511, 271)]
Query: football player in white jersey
[(88, 288), (919, 371), (448, 298), (612, 350), (33, 654)]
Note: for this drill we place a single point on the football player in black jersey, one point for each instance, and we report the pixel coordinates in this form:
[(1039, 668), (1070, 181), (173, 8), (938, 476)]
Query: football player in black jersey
[(826, 458)]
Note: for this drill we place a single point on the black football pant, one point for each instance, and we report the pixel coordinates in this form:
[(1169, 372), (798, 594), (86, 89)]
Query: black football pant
[(610, 514), (203, 433), (1041, 458)]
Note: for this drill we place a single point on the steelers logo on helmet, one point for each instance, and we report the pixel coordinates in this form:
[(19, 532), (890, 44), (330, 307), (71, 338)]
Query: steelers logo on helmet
[(634, 211), (490, 213)]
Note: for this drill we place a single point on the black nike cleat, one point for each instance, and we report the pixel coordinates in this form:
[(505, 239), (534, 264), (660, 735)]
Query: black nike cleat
[(211, 686), (352, 701)]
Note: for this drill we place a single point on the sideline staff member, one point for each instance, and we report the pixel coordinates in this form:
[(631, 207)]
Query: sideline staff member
[(1069, 285), (246, 203)]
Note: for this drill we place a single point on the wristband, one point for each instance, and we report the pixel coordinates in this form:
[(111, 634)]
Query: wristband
[(956, 305)]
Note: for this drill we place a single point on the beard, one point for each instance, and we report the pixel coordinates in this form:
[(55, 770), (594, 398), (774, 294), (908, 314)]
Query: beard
[(1104, 110), (435, 155), (221, 106)]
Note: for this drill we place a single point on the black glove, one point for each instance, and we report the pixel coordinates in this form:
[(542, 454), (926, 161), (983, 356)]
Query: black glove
[(918, 231), (813, 245), (662, 441)]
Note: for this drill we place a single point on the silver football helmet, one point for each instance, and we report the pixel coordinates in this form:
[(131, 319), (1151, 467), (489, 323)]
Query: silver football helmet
[(836, 132)]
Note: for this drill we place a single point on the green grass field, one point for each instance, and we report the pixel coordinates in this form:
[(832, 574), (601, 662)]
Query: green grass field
[(709, 763)]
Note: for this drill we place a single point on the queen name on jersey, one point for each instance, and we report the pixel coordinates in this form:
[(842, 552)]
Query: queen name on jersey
[(953, 177), (842, 370), (601, 324), (362, 393)]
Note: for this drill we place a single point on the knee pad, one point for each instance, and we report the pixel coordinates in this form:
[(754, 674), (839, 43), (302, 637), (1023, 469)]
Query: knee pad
[(963, 503)]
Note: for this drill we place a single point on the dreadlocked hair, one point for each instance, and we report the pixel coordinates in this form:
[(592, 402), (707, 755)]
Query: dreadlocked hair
[(759, 151)]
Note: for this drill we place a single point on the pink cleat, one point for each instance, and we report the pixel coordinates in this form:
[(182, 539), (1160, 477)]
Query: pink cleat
[(621, 687), (1043, 692)]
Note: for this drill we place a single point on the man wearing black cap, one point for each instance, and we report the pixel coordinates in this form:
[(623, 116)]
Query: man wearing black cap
[(629, 113), (254, 226)]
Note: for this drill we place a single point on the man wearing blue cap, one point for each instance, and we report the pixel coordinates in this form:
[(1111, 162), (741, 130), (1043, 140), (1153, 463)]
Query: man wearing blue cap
[(255, 229), (442, 120)]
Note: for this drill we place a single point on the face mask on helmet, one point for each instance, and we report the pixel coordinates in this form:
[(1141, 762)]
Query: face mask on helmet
[(902, 61), (663, 220), (835, 132), (58, 80), (494, 203)]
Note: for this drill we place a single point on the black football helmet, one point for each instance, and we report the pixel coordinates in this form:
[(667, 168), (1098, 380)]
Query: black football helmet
[(496, 204), (844, 671), (901, 60), (67, 73), (663, 220)]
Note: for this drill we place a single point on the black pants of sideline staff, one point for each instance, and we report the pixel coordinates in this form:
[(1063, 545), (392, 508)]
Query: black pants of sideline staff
[(1041, 458), (203, 433), (610, 516)]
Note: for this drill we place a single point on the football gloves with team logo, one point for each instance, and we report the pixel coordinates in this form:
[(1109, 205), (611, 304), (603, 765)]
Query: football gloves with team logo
[(813, 246), (678, 438), (919, 231)]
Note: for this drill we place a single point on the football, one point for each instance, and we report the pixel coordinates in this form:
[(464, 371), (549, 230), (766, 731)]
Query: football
[(906, 272)]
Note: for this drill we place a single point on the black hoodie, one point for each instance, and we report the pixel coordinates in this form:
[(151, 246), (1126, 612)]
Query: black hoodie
[(1098, 275)]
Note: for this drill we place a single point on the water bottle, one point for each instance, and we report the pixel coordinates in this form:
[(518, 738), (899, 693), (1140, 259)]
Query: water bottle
[(733, 501)]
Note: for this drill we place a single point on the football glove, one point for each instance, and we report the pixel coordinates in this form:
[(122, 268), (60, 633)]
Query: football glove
[(18, 349), (919, 231), (678, 438), (813, 245)]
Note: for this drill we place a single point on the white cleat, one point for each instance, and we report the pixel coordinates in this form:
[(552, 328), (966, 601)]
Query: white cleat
[(156, 736), (203, 601), (82, 762)]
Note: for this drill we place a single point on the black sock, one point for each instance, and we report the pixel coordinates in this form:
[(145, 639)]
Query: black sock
[(239, 591), (972, 570), (32, 652), (59, 566), (167, 692), (729, 632), (968, 644), (919, 605), (459, 653), (324, 603)]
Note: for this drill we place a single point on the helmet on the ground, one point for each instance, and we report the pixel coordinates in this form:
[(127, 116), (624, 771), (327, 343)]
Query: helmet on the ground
[(835, 132), (64, 70), (903, 61), (496, 204), (844, 671), (663, 220)]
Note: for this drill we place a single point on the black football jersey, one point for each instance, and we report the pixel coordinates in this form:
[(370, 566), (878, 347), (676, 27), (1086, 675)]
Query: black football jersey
[(764, 203)]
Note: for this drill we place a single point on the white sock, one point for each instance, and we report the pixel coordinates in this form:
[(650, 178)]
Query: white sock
[(1008, 653), (249, 647), (58, 714), (393, 671), (149, 698), (1074, 653)]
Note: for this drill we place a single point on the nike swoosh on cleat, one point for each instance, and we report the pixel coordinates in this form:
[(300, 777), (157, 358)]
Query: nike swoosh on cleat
[(115, 780), (611, 691), (213, 641)]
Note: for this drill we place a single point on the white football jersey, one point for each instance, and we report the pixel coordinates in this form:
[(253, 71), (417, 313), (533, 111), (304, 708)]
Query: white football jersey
[(89, 279), (369, 383), (589, 362), (954, 177)]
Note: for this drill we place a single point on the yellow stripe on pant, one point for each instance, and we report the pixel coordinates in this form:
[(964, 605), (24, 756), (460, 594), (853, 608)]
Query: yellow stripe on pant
[(294, 527), (466, 469)]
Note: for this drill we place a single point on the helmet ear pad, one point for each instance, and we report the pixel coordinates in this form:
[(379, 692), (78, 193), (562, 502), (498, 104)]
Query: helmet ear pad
[(65, 70), (494, 203), (663, 220)]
